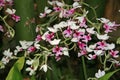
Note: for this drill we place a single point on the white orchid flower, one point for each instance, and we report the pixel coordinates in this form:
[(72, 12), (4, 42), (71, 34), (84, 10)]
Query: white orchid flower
[(90, 56), (43, 36), (26, 44), (55, 42), (56, 2), (90, 30), (29, 62), (76, 5), (110, 46), (74, 39), (52, 29), (51, 2), (91, 48), (99, 74), (44, 67), (59, 4), (7, 53), (10, 11), (18, 49), (98, 52), (103, 20), (72, 25), (37, 45), (65, 51), (63, 24), (32, 70), (102, 37), (81, 30), (5, 60), (47, 11)]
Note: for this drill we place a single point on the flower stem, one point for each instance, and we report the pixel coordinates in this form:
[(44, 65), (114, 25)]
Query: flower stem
[(84, 68)]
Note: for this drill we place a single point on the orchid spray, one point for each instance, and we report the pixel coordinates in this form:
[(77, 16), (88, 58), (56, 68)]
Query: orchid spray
[(67, 29)]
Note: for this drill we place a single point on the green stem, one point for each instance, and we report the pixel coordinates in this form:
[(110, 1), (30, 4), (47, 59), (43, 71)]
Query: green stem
[(84, 68), (44, 48), (10, 29), (91, 8)]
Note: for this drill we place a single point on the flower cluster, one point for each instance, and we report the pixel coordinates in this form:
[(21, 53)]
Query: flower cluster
[(5, 7), (74, 31)]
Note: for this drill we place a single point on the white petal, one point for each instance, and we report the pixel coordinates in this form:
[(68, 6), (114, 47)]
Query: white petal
[(55, 42), (92, 46), (110, 46), (51, 2), (43, 36), (7, 53), (103, 20), (37, 45), (26, 44), (76, 5), (10, 11), (99, 74), (44, 67), (29, 62), (63, 24), (98, 52), (89, 49), (102, 37), (74, 40), (59, 4), (28, 69), (74, 26), (52, 29), (90, 30), (65, 51)]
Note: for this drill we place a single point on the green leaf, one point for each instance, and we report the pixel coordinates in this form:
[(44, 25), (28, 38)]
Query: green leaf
[(15, 73), (108, 75), (35, 63), (20, 63)]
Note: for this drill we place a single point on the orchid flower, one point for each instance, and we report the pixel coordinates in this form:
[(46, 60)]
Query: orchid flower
[(86, 38), (90, 30), (38, 38), (57, 50), (10, 11), (103, 37), (67, 32), (82, 52), (48, 36), (65, 51), (26, 44), (5, 60), (101, 45), (57, 9), (44, 67), (55, 42), (99, 74), (114, 53), (46, 11), (76, 5), (91, 57), (82, 21), (15, 17), (31, 49), (103, 20), (81, 45), (7, 53)]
